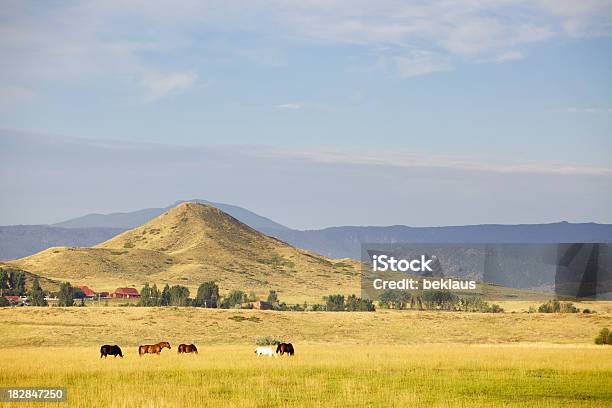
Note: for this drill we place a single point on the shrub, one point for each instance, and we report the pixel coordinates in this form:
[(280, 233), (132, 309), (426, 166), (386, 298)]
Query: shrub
[(272, 297), (4, 302), (495, 308), (569, 308), (554, 306), (604, 337), (268, 341)]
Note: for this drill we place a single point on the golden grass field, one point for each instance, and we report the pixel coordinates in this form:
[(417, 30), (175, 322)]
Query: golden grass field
[(386, 358)]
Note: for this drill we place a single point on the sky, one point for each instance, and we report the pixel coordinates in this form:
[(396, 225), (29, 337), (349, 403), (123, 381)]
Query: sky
[(313, 113)]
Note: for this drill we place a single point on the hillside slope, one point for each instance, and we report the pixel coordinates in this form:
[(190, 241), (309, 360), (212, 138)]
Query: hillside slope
[(45, 283), (192, 243)]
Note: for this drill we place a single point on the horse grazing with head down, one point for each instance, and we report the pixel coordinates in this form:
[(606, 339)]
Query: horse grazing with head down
[(107, 349), (265, 351), (283, 348), (153, 348), (187, 348)]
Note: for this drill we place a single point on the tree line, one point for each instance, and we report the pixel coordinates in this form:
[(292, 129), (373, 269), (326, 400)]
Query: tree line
[(435, 300), (12, 283)]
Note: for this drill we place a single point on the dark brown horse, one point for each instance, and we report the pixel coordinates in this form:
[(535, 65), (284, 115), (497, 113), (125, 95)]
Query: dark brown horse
[(107, 349), (153, 348), (283, 348), (187, 348)]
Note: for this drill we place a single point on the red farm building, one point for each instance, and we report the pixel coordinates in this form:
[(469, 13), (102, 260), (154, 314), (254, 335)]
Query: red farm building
[(125, 293), (87, 292)]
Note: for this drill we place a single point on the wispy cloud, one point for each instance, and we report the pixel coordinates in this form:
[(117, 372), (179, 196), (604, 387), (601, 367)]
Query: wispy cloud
[(418, 63), (158, 86), (289, 106), (589, 110), (509, 56), (317, 183), (405, 159), (121, 40)]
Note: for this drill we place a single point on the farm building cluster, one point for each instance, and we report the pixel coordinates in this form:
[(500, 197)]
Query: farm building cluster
[(84, 292), (119, 293)]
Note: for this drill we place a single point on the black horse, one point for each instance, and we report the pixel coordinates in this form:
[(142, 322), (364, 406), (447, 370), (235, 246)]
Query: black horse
[(283, 348), (107, 349)]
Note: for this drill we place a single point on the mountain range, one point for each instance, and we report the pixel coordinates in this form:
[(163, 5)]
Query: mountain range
[(193, 243), (335, 242)]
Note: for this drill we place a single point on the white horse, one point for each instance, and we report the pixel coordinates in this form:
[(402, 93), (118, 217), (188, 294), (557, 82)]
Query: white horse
[(265, 351)]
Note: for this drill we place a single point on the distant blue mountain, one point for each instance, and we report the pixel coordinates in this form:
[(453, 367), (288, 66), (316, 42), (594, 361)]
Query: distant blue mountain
[(335, 242), (345, 242), (129, 220), (17, 241)]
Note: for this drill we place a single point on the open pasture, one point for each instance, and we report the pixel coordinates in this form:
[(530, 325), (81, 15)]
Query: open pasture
[(391, 359), (321, 375)]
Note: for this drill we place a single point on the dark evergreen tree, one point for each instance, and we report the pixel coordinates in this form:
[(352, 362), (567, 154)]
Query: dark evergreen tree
[(65, 297), (208, 295), (37, 296), (165, 296), (20, 285)]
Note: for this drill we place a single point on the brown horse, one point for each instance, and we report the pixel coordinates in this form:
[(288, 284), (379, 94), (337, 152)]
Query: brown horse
[(283, 348), (187, 348), (153, 348)]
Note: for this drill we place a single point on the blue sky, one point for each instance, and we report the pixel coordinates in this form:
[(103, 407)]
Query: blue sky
[(508, 86)]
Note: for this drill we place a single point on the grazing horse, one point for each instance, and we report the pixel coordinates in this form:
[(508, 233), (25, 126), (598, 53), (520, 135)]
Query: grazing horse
[(153, 348), (107, 349), (187, 348), (283, 348), (265, 351)]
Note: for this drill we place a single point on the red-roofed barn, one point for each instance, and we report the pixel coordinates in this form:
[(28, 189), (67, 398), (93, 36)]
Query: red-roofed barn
[(125, 293), (87, 292)]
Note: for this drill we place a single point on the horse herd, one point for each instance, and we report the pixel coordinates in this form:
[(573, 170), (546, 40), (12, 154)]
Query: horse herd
[(115, 350)]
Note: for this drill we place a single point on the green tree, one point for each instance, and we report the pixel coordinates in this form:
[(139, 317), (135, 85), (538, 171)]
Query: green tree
[(77, 293), (334, 303), (37, 296), (65, 297), (440, 299), (145, 296), (179, 296), (272, 297), (3, 282), (155, 296), (235, 297), (165, 296), (208, 295), (20, 285), (395, 299)]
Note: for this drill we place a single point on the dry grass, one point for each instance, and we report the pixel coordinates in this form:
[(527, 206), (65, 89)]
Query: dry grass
[(339, 376), (130, 326), (386, 358)]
